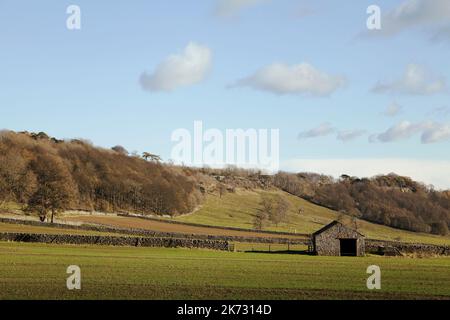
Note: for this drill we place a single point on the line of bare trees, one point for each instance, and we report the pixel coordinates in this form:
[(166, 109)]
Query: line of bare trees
[(47, 176), (390, 200)]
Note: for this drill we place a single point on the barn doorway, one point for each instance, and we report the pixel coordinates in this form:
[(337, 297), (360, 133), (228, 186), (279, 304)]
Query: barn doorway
[(348, 247)]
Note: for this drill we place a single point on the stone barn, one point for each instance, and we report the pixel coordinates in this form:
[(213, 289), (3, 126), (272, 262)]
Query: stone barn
[(337, 239)]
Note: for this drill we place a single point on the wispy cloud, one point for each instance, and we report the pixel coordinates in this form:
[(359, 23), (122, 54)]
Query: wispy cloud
[(231, 8), (322, 130), (326, 129), (440, 112), (416, 80), (436, 132), (178, 70), (429, 131), (280, 78), (348, 135), (400, 131), (392, 110), (432, 16), (441, 35), (303, 10)]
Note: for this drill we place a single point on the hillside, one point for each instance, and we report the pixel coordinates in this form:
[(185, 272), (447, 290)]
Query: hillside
[(47, 176), (44, 176), (240, 208), (391, 200)]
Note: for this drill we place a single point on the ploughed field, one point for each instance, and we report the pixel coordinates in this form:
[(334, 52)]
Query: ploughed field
[(38, 271)]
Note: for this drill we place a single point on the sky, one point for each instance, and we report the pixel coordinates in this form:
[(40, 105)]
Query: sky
[(346, 99)]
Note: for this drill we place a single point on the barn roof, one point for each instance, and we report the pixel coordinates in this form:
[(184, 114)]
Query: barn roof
[(332, 224)]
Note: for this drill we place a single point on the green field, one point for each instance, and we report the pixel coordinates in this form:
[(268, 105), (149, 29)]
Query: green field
[(38, 271), (268, 247), (239, 209)]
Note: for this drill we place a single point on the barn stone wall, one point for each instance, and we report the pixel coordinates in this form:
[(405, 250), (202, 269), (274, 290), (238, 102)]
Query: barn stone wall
[(327, 243)]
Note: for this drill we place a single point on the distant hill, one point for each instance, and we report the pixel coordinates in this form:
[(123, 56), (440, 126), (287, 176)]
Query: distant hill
[(46, 175), (391, 200)]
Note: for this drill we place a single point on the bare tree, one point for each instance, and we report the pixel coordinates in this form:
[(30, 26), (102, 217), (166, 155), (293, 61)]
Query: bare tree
[(260, 221), (55, 187), (279, 213), (222, 189)]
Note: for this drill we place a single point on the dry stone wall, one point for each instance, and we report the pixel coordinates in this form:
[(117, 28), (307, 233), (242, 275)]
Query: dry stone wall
[(374, 246), (117, 241), (148, 233)]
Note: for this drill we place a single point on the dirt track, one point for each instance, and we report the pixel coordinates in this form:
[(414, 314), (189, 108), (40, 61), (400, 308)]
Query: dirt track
[(130, 222)]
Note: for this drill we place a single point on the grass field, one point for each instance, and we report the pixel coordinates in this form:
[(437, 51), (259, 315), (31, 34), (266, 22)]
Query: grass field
[(38, 271), (268, 247), (239, 209)]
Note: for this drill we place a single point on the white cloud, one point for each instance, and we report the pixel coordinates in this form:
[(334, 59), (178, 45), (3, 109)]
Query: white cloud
[(435, 132), (326, 129), (392, 110), (301, 11), (416, 80), (280, 78), (184, 69), (429, 14), (430, 131), (427, 171), (348, 135), (229, 8), (322, 130), (400, 131)]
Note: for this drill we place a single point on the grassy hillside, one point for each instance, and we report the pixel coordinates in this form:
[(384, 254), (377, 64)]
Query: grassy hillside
[(163, 226), (38, 271), (239, 209)]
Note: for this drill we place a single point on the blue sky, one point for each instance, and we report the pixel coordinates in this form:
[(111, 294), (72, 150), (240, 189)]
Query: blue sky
[(86, 83)]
